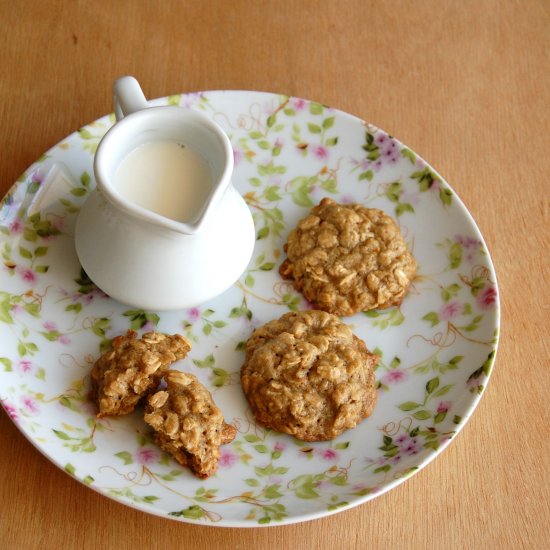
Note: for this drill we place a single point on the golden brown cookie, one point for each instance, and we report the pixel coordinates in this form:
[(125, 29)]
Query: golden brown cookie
[(348, 258), (131, 368), (188, 424), (308, 375)]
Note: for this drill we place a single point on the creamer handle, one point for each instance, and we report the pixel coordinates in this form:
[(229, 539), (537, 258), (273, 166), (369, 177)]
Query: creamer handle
[(127, 97)]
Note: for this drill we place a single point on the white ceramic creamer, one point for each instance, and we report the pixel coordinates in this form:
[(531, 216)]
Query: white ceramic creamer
[(164, 228)]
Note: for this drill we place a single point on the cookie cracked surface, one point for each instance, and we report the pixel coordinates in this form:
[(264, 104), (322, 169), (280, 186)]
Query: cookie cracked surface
[(348, 258), (308, 375), (131, 368), (188, 424)]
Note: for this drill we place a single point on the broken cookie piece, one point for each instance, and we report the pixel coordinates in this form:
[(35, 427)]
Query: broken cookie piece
[(188, 424), (131, 368)]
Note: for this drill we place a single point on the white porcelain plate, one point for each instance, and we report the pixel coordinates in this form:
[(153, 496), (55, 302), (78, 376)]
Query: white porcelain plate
[(436, 350)]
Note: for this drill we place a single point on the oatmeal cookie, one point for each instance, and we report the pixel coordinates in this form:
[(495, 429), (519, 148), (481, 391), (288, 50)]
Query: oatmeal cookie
[(308, 375), (131, 368), (188, 424), (348, 258)]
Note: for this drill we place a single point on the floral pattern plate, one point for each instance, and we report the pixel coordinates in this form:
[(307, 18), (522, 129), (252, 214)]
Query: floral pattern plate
[(436, 350)]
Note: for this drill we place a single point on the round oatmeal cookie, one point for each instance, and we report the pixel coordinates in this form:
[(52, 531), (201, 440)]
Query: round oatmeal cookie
[(308, 375), (348, 258), (188, 424)]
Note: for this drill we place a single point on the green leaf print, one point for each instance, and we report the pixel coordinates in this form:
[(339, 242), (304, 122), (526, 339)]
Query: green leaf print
[(446, 196), (432, 385), (450, 291), (126, 457), (432, 318), (384, 319), (207, 362), (409, 406), (304, 487), (139, 318), (192, 512), (314, 128), (273, 193), (455, 255), (316, 108), (407, 153), (61, 435), (300, 188)]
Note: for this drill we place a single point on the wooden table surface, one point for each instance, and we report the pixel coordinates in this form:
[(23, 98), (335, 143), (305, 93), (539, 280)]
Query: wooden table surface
[(465, 84)]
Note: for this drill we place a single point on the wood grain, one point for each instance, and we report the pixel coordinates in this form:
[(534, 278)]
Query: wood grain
[(465, 84)]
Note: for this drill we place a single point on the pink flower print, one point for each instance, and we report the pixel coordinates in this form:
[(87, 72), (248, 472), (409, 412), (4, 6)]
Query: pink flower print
[(227, 458), (410, 196), (450, 310), (148, 326), (377, 165), (193, 314), (190, 99), (469, 256), (472, 383), (279, 446), (470, 246), (412, 448), (322, 485), (346, 199), (402, 440), (328, 454), (390, 150), (88, 298), (444, 406), (10, 409), (30, 407), (393, 159), (58, 223), (28, 275), (365, 164), (50, 325), (147, 455), (25, 366), (487, 297), (298, 104), (64, 339), (37, 177), (16, 308), (320, 152), (467, 242), (16, 226), (394, 376), (381, 139), (435, 186), (278, 143), (237, 156)]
